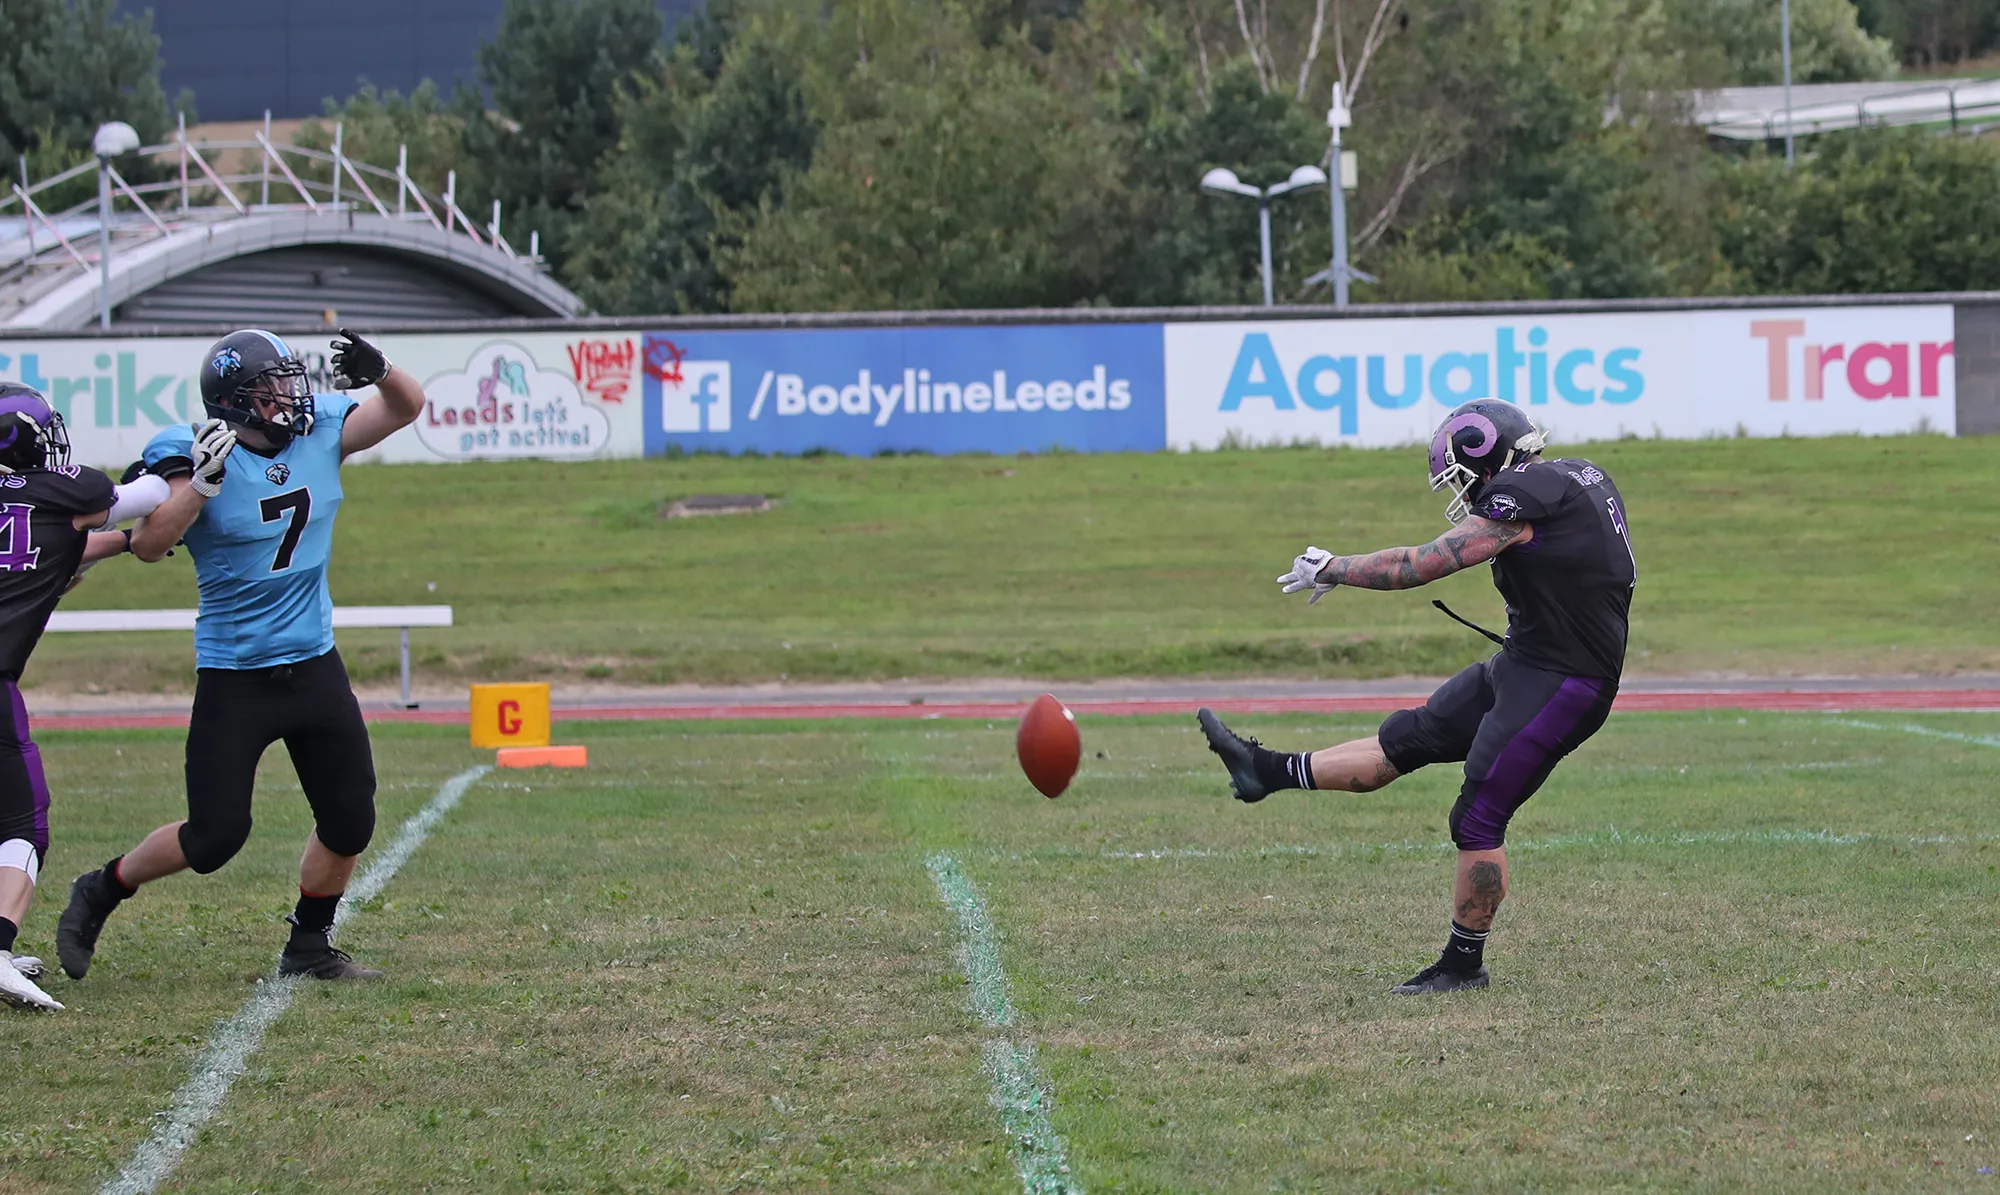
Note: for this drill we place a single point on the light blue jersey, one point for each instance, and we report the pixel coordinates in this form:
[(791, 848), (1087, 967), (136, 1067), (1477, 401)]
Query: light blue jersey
[(260, 546)]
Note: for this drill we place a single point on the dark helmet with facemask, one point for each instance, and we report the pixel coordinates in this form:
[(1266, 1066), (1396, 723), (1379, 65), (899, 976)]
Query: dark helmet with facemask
[(252, 379), (1474, 443), (32, 435)]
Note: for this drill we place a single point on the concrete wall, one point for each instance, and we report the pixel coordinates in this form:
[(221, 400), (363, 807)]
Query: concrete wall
[(1978, 358)]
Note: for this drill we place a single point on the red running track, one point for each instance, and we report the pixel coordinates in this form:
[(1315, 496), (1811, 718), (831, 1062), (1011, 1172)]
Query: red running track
[(1812, 701)]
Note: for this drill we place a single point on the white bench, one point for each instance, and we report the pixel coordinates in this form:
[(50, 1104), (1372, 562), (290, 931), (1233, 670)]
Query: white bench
[(401, 617)]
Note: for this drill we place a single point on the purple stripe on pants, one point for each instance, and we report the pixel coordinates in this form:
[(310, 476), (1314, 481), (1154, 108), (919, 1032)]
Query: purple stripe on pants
[(31, 758), (1505, 784)]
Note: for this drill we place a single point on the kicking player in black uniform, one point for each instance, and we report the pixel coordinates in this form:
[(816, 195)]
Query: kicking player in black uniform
[(47, 508), (1555, 533)]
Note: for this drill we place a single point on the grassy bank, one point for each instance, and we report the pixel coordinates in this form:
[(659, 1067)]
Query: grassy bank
[(1841, 555)]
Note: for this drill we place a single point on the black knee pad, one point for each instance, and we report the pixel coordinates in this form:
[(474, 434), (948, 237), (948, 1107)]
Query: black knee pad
[(348, 831), (1410, 740), (213, 841), (21, 824), (1482, 835)]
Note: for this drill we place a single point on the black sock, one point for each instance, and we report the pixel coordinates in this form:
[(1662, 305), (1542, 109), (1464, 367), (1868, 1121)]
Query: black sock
[(1465, 950), (7, 932), (313, 916), (1278, 770), (111, 889)]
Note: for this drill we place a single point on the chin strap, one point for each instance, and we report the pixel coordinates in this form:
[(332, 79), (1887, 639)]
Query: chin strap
[(1466, 622)]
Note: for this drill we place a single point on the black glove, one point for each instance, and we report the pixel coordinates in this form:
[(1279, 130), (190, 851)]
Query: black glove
[(356, 363)]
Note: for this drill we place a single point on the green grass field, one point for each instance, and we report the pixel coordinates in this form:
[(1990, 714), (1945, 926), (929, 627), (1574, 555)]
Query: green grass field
[(1749, 952), (1756, 556)]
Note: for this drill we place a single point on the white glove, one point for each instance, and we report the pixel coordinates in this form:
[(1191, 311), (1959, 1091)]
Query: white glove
[(1305, 574), (213, 440)]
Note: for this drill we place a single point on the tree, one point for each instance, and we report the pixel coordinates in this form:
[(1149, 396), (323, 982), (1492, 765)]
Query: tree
[(376, 126), (949, 174), (1174, 244), (1876, 210), (1530, 148), (1829, 44), (706, 146), (1934, 32), (554, 72), (67, 66)]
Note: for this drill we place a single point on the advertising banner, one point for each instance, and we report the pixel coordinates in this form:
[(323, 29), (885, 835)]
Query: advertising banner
[(1682, 375), (942, 390), (531, 394), (1088, 388), (492, 396)]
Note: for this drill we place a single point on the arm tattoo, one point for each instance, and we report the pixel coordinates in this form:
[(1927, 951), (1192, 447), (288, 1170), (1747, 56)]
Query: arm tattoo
[(1474, 541)]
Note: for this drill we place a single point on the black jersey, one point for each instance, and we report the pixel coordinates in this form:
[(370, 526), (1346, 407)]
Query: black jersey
[(40, 550), (1569, 589)]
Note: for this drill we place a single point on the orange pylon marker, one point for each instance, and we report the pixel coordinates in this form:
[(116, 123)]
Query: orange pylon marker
[(543, 757)]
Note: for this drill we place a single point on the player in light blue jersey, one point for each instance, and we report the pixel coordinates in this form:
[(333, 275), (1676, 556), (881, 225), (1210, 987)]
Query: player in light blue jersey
[(266, 668)]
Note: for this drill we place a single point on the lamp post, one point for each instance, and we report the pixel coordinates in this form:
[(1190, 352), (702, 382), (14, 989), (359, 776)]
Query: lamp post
[(1224, 182), (111, 140), (1785, 24), (1339, 117)]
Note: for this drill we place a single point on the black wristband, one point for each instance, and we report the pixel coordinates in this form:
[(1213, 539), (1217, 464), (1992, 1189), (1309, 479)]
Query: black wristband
[(127, 533)]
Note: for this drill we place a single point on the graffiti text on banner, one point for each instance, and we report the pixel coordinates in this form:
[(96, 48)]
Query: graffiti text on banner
[(943, 390), (1808, 371)]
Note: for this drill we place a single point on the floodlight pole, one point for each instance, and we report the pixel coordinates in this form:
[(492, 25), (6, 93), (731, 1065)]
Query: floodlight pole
[(1224, 182), (103, 241), (1338, 117), (1264, 241), (1785, 21), (111, 139)]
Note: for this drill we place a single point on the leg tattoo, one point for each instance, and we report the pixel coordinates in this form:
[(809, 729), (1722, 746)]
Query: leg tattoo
[(1486, 889)]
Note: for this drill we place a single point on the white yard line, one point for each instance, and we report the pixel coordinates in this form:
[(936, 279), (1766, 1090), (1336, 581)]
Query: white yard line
[(1980, 740), (1611, 837), (238, 1037), (1020, 1095)]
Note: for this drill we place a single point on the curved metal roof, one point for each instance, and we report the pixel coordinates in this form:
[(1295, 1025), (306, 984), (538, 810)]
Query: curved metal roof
[(191, 250)]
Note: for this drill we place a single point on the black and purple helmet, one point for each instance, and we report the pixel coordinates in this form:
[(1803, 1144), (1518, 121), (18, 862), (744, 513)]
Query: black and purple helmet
[(32, 435), (253, 379), (1475, 442)]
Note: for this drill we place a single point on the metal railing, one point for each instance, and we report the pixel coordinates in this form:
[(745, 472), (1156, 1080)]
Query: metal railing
[(195, 193), (1968, 106)]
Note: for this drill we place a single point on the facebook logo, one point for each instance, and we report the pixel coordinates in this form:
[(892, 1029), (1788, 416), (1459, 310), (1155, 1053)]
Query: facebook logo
[(698, 401)]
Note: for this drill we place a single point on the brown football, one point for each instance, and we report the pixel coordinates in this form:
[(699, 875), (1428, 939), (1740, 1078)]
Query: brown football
[(1048, 745)]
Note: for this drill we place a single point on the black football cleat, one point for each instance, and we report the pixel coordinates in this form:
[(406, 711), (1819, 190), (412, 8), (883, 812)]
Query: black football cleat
[(1235, 753), (1435, 978), (319, 959), (81, 922)]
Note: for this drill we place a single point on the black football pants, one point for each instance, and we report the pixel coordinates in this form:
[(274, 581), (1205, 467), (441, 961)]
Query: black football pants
[(237, 714)]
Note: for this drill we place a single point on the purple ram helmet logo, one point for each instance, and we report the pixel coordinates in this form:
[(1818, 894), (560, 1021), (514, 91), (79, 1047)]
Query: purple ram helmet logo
[(1442, 454)]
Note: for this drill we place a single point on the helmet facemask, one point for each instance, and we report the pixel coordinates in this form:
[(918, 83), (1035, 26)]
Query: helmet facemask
[(276, 400), (55, 442), (1465, 483), (32, 439)]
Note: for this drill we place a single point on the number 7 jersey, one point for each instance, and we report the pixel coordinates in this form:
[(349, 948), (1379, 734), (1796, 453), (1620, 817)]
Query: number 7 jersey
[(261, 546)]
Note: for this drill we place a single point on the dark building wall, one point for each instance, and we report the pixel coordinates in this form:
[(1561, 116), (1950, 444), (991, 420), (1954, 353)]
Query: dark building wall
[(240, 57)]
